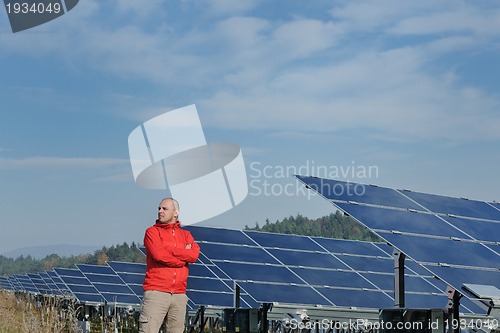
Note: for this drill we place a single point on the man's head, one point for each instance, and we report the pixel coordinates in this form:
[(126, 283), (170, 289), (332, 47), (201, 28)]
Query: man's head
[(168, 211)]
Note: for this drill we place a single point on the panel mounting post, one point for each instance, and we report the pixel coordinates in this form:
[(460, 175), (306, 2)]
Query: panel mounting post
[(453, 309), (237, 291), (399, 278)]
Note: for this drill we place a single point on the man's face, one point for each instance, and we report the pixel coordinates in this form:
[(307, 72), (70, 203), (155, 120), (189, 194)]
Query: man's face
[(166, 212)]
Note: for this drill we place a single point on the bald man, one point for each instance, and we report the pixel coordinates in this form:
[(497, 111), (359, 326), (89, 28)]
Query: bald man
[(169, 250)]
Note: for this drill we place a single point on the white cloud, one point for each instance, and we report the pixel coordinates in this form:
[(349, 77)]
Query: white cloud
[(357, 70)]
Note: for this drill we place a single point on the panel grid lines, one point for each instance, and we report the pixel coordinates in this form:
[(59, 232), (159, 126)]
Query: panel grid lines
[(449, 237)]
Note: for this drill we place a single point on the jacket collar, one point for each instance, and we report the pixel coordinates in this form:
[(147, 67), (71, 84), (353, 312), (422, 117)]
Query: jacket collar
[(175, 225)]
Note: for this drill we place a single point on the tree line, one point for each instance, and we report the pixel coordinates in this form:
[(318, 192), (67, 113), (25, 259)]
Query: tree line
[(27, 264), (335, 225)]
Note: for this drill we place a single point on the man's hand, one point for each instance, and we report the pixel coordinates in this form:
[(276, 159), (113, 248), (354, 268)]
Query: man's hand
[(188, 246)]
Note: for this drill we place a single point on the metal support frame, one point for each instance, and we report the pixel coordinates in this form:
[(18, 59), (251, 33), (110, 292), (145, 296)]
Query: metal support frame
[(236, 299), (453, 308), (263, 322), (399, 278), (273, 317)]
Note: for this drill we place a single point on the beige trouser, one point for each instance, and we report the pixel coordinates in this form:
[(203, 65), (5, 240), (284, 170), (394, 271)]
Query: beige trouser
[(156, 305)]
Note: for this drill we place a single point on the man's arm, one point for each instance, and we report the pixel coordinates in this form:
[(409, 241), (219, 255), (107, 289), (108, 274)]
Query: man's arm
[(154, 246), (191, 252)]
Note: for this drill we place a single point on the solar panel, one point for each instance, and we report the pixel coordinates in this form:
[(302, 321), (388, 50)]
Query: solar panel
[(5, 283), (109, 284), (455, 206), (52, 287), (39, 283), (132, 274), (59, 283), (14, 282), (455, 239), (307, 270), (79, 286), (26, 284)]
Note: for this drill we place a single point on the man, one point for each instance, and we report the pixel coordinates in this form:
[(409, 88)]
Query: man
[(169, 250)]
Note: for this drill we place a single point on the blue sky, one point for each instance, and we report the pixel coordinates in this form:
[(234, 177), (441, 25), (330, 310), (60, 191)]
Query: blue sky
[(408, 88)]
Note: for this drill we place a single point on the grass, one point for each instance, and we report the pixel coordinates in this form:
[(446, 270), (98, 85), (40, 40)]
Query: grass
[(25, 313)]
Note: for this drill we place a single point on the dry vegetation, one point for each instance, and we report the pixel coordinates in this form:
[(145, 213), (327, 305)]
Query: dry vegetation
[(25, 314)]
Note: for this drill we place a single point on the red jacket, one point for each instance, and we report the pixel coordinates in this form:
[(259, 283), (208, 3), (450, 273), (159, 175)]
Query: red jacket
[(167, 258)]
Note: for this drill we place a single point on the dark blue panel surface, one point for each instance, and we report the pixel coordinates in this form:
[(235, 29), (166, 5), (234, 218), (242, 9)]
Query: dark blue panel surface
[(211, 298), (132, 278), (413, 268), (112, 288), (76, 280), (50, 284), (236, 253), (266, 273), (358, 298), (84, 268), (283, 293), (215, 285), (480, 230), (439, 250), (283, 241), (455, 206), (412, 283), (457, 277), (217, 271), (200, 270), (5, 284), (137, 289), (110, 285), (26, 283), (350, 246), (307, 259), (217, 235), (365, 264), (127, 267), (14, 283), (57, 281), (403, 221), (98, 278), (345, 191), (382, 281), (322, 277), (68, 272), (39, 283), (76, 288)]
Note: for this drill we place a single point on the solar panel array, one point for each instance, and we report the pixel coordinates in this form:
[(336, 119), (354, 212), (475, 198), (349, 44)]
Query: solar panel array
[(87, 284), (305, 270), (456, 239), (266, 267)]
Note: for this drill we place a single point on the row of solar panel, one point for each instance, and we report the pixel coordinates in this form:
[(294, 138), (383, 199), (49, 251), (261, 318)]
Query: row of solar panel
[(456, 239), (402, 199), (267, 267), (119, 283), (313, 270)]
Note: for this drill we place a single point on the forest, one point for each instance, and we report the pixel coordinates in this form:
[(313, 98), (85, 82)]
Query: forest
[(335, 225)]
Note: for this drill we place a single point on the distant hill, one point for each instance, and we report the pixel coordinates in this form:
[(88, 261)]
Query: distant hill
[(62, 250)]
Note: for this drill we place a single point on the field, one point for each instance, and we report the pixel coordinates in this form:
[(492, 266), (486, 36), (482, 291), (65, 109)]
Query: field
[(22, 313)]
